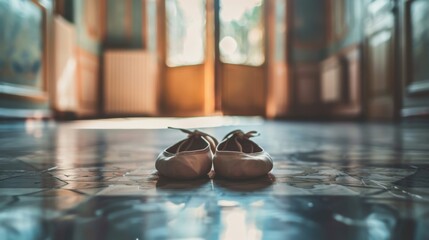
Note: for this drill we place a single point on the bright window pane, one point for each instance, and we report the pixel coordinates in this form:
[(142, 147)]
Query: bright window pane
[(186, 21), (241, 32)]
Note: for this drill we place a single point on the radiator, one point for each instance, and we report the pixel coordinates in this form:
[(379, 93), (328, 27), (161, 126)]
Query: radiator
[(130, 83)]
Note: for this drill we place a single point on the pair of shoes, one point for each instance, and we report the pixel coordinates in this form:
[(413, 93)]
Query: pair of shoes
[(236, 157)]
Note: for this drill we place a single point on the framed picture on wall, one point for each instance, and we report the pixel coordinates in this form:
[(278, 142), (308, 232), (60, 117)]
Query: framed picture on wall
[(22, 51)]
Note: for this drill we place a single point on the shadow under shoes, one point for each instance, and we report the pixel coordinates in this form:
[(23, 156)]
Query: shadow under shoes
[(188, 159), (237, 157)]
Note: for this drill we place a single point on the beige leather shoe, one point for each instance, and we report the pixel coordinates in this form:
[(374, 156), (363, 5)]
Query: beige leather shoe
[(188, 159), (237, 157)]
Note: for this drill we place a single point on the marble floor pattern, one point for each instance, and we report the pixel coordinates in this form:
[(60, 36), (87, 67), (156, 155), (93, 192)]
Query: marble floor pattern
[(96, 180)]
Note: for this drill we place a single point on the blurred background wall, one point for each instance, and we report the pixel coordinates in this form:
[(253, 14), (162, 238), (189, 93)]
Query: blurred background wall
[(305, 59)]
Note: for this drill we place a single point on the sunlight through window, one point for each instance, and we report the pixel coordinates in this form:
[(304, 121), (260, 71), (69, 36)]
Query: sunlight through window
[(241, 32), (185, 32)]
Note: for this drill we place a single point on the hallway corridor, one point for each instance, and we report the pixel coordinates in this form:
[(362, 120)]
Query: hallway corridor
[(95, 179)]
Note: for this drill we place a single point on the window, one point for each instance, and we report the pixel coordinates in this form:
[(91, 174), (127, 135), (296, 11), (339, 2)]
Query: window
[(186, 21), (241, 32)]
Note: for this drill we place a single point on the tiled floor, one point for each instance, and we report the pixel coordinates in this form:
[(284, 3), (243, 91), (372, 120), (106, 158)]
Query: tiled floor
[(95, 180)]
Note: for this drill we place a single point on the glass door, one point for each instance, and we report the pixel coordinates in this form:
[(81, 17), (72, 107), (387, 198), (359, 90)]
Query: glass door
[(187, 85), (223, 55), (241, 71)]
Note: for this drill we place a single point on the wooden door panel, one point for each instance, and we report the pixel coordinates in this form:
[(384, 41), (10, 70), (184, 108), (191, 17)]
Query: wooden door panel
[(243, 89), (186, 51), (241, 57), (184, 90)]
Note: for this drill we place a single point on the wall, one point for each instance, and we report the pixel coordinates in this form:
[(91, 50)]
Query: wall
[(89, 25), (98, 25), (90, 29), (341, 70), (346, 27), (322, 28), (307, 43), (124, 24), (325, 55), (308, 30)]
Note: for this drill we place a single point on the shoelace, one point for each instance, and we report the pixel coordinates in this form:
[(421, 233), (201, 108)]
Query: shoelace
[(240, 135), (193, 135)]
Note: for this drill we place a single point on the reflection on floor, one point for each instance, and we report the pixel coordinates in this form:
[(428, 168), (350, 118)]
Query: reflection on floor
[(330, 181)]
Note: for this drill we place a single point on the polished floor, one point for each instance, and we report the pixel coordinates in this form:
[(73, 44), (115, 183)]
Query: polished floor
[(96, 180)]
